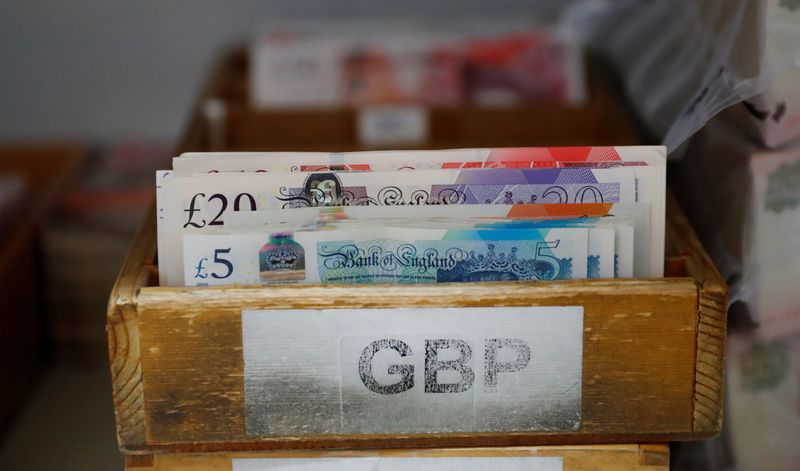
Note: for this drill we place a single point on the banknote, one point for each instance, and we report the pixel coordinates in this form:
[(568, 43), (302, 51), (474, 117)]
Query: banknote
[(453, 194), (600, 256), (215, 205), (600, 253), (389, 167), (601, 237), (193, 163), (627, 219), (543, 212), (604, 235), (385, 255), (207, 200)]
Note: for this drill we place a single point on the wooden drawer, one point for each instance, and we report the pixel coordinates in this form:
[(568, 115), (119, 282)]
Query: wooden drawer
[(573, 458), (224, 120), (652, 349), (652, 359), (46, 168)]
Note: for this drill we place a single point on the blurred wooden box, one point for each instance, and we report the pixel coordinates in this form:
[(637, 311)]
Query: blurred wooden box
[(225, 120), (45, 168), (569, 458)]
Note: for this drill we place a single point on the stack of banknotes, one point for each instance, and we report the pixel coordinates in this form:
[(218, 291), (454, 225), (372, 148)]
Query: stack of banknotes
[(412, 216)]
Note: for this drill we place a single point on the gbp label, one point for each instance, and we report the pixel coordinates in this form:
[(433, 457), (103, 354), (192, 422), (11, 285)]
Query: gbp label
[(366, 371)]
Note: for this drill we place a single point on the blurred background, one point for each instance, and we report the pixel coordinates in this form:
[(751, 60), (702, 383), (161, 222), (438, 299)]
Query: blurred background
[(134, 69), (96, 95)]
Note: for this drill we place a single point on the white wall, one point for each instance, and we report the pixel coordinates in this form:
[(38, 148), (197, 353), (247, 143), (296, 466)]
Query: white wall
[(112, 69)]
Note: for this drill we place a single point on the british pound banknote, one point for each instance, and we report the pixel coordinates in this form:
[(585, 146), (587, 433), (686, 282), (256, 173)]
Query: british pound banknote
[(387, 255), (193, 163), (222, 194)]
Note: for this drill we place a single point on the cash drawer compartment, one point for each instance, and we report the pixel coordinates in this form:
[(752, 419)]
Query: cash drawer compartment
[(652, 353), (652, 350)]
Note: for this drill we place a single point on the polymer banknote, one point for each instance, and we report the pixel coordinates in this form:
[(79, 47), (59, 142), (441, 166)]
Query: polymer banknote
[(617, 245), (386, 255), (624, 219), (601, 258)]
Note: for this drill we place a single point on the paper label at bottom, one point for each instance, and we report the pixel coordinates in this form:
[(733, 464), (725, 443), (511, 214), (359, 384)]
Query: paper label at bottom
[(482, 463), (436, 370)]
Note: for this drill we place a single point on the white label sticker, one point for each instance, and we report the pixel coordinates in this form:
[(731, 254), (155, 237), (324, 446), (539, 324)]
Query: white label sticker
[(373, 371), (392, 125), (481, 463)]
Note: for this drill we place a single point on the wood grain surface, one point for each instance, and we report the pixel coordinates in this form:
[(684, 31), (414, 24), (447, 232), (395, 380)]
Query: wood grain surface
[(653, 349), (123, 335), (575, 458), (711, 320), (638, 360), (653, 353)]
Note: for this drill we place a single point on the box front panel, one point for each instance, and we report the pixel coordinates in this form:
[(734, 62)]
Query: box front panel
[(377, 371), (635, 373)]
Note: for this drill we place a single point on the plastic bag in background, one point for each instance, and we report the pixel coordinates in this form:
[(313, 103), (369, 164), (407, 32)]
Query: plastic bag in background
[(714, 185), (744, 202), (681, 61)]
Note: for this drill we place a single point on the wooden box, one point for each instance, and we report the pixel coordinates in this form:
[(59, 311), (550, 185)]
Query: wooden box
[(573, 458), (652, 353), (224, 120), (652, 349), (45, 169)]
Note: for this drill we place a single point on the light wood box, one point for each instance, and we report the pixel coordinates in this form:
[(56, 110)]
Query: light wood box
[(652, 352), (652, 348), (575, 458)]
